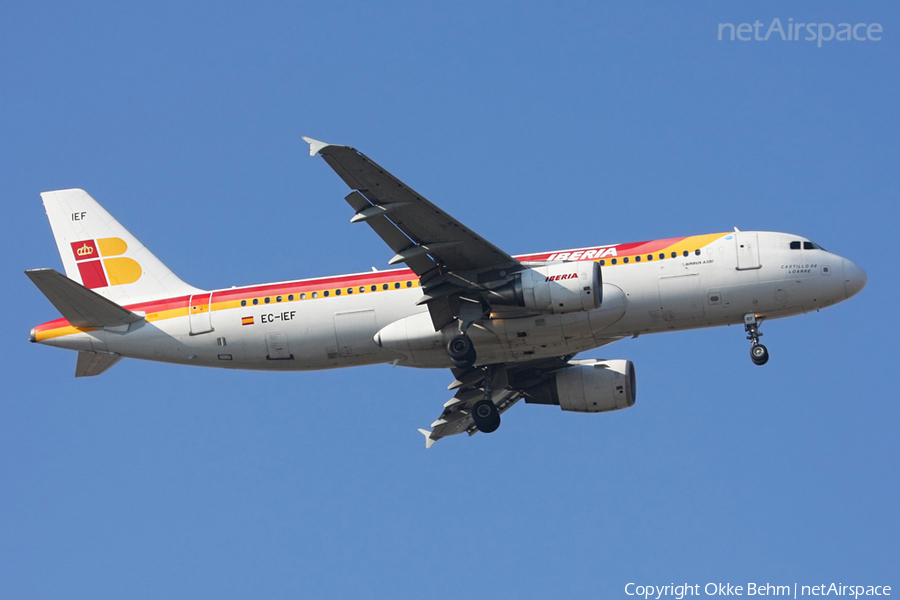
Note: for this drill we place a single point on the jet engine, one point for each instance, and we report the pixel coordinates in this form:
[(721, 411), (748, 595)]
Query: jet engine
[(556, 289), (588, 386)]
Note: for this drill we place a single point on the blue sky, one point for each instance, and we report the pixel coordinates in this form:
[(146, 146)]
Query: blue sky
[(541, 126)]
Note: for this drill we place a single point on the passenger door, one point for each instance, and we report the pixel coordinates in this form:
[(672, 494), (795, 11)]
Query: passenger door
[(747, 251), (199, 314)]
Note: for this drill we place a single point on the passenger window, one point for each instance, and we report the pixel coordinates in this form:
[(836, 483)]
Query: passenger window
[(374, 287), (637, 259), (243, 303), (674, 254), (625, 260), (336, 292), (291, 297), (409, 284), (315, 294), (602, 263), (349, 290), (362, 288), (649, 257), (686, 253), (303, 296), (325, 293), (661, 256), (384, 287), (256, 301), (697, 252), (277, 298), (614, 261), (795, 245), (397, 286)]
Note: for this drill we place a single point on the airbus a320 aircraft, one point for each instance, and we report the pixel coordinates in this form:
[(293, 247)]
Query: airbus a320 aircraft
[(507, 327)]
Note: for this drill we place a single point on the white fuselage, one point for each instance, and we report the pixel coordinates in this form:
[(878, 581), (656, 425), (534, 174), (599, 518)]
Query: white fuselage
[(283, 331)]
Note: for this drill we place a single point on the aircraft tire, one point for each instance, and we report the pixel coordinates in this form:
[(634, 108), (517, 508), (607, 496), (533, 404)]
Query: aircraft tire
[(486, 416), (461, 351), (759, 354)]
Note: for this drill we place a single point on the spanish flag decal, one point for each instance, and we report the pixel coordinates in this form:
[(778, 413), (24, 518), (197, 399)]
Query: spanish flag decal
[(246, 320)]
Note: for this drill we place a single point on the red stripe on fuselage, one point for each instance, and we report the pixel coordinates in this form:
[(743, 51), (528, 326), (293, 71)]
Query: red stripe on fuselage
[(621, 249), (343, 281)]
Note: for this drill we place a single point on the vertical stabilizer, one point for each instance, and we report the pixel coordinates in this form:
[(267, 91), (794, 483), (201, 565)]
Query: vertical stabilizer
[(103, 256)]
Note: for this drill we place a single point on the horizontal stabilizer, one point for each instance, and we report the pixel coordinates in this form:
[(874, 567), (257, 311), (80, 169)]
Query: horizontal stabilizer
[(94, 363), (80, 306)]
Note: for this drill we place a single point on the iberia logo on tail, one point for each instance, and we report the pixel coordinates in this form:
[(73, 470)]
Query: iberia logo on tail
[(100, 263)]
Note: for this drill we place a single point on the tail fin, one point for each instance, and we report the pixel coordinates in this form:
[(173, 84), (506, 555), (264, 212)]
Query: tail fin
[(100, 254)]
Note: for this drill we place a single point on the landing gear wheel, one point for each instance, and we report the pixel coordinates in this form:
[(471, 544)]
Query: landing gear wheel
[(759, 354), (461, 352), (486, 416)]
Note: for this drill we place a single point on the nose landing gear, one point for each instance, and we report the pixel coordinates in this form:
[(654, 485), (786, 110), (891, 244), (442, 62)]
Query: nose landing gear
[(759, 354)]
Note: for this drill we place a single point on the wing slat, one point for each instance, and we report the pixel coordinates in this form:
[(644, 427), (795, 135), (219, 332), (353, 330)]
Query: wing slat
[(411, 215)]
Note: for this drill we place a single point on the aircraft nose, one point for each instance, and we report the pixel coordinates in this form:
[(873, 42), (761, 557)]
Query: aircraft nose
[(854, 278)]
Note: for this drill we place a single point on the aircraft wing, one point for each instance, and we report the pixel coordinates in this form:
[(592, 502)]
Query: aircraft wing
[(447, 256), (509, 384)]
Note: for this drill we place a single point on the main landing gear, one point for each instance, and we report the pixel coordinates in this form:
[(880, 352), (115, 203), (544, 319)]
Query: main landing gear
[(758, 353), (461, 351), (484, 412), (486, 416), (460, 347)]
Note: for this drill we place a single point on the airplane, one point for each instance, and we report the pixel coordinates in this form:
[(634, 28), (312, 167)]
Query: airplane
[(508, 327)]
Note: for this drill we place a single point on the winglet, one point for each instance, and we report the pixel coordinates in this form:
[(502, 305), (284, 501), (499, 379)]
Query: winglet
[(429, 441), (314, 145)]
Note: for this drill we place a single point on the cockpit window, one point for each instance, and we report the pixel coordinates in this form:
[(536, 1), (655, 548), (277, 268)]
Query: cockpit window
[(812, 246), (795, 245)]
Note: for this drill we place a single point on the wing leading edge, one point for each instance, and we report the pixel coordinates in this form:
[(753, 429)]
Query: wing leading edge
[(448, 257)]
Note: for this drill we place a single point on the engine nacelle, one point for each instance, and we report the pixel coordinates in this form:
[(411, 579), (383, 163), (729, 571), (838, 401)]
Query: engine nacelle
[(588, 386), (556, 289)]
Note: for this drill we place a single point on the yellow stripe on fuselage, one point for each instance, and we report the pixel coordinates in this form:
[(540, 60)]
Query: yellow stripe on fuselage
[(689, 244), (49, 334)]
